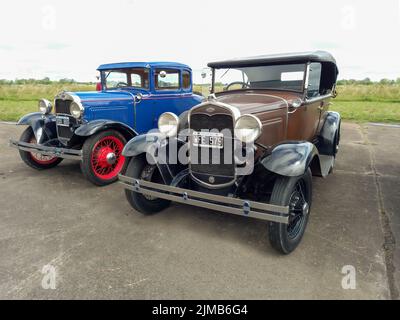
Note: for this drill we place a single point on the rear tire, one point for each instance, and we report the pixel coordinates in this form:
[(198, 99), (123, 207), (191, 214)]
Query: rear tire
[(336, 142), (102, 158), (137, 168), (35, 160), (295, 192)]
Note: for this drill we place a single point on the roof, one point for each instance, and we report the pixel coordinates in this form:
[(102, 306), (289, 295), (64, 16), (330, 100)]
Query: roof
[(158, 64), (298, 57)]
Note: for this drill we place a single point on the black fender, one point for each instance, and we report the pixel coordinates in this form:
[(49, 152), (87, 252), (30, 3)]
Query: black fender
[(144, 143), (92, 127), (43, 126), (151, 144), (292, 159), (327, 143)]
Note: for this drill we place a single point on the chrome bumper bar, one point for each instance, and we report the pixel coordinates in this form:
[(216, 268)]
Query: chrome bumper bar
[(47, 151), (251, 209)]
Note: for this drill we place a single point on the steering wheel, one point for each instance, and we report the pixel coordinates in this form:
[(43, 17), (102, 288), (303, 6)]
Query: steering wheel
[(245, 85), (121, 84)]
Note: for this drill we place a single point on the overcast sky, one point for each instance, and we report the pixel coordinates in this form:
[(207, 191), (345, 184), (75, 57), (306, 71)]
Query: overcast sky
[(69, 39)]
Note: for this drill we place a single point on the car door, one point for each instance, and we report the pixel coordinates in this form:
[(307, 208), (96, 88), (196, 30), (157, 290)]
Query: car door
[(167, 92), (314, 104)]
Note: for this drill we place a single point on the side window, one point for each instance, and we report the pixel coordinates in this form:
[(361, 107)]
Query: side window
[(314, 80), (140, 78), (136, 80), (166, 79), (185, 80)]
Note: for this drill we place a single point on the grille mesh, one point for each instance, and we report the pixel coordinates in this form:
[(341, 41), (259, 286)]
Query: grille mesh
[(62, 107), (224, 170)]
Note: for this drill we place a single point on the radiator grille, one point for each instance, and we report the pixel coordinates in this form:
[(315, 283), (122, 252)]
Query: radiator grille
[(65, 133), (220, 165)]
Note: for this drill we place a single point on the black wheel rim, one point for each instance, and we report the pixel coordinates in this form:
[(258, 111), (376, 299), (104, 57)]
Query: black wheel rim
[(298, 209)]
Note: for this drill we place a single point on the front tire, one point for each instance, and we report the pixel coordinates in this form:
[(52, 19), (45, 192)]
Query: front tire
[(102, 158), (139, 168), (36, 160), (295, 192)]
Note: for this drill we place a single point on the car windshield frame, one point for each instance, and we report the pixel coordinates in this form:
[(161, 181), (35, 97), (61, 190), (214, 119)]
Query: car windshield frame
[(301, 89)]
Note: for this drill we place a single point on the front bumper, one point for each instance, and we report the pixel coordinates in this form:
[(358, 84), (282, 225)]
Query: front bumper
[(251, 209), (46, 150)]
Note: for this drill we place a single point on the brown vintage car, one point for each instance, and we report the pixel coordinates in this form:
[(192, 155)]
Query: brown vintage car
[(250, 149)]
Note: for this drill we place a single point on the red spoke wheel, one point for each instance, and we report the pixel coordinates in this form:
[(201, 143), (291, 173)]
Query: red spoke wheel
[(35, 159), (102, 157), (40, 158)]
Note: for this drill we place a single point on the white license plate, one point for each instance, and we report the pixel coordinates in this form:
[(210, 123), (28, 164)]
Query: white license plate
[(62, 121), (208, 139)]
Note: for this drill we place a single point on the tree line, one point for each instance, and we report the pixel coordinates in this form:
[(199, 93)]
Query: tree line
[(366, 81)]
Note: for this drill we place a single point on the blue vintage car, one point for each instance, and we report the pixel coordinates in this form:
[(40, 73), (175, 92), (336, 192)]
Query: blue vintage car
[(93, 127)]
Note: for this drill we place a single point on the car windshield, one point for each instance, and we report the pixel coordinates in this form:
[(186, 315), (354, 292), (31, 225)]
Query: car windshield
[(277, 77), (127, 78)]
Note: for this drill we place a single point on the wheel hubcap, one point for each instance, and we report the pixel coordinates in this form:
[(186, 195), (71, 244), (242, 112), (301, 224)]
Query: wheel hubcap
[(111, 158), (306, 208)]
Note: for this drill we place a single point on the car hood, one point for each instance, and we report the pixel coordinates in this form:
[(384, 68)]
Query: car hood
[(102, 96), (253, 102)]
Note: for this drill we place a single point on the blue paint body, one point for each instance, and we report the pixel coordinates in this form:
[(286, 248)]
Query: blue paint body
[(118, 104)]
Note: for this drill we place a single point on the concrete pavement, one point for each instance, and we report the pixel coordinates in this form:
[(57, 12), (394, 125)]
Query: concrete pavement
[(100, 248)]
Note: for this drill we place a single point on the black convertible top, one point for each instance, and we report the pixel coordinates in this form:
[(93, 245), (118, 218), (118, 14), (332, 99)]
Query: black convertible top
[(298, 57)]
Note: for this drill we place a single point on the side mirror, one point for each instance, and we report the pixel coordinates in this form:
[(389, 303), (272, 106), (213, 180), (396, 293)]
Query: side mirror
[(138, 97)]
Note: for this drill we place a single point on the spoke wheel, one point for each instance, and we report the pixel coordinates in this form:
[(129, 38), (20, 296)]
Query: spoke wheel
[(40, 158), (299, 209), (296, 193), (106, 159), (139, 168), (102, 158), (36, 160)]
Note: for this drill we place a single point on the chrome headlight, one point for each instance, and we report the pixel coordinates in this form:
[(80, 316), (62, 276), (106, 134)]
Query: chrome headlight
[(168, 124), (45, 106), (76, 109), (248, 128)]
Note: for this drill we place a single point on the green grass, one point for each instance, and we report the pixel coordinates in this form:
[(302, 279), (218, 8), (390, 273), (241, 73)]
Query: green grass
[(17, 100), (13, 110), (367, 111), (356, 102)]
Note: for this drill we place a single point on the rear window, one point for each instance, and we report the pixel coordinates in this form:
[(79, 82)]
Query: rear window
[(166, 79)]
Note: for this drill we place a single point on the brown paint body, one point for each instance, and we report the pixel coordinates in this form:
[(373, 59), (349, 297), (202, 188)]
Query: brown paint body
[(279, 119)]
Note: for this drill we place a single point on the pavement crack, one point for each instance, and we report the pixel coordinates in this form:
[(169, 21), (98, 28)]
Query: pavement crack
[(389, 244)]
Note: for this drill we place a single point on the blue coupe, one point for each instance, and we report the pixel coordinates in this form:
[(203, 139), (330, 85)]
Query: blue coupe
[(93, 127)]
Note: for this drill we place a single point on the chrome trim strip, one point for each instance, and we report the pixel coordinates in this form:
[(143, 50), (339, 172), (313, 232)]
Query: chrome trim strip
[(47, 151), (200, 199)]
